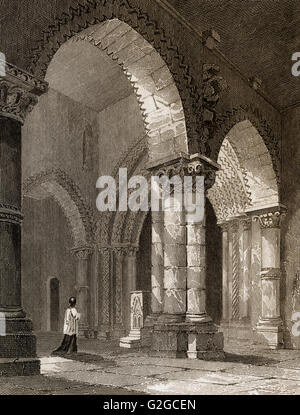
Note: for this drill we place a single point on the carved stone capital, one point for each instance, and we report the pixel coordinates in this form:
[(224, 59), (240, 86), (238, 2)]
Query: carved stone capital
[(19, 92), (224, 226), (270, 219), (82, 252), (10, 214), (234, 225), (246, 223)]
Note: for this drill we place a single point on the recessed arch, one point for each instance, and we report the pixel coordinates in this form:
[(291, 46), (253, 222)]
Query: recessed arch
[(246, 180), (91, 12), (225, 122), (73, 72), (59, 185)]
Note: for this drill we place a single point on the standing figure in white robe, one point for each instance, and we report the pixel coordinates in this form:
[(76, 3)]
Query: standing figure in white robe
[(71, 322)]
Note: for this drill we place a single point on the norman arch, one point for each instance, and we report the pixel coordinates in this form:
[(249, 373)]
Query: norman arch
[(67, 194)]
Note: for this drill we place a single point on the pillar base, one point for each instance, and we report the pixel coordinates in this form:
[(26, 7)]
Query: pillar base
[(19, 340), (270, 333), (192, 340), (132, 341), (19, 367), (237, 331), (18, 349)]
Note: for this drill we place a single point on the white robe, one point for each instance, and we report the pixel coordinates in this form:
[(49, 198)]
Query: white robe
[(71, 321)]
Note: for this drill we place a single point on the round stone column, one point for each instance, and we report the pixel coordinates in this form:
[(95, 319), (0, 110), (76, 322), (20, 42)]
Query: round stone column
[(246, 265), (129, 284), (82, 255), (18, 95), (225, 281), (157, 265), (174, 298), (269, 328), (196, 272)]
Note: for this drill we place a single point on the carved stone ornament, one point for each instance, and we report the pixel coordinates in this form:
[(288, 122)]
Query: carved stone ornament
[(270, 219), (82, 252), (19, 93)]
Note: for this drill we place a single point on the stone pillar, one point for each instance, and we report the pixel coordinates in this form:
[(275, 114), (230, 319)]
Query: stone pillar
[(196, 272), (82, 255), (225, 282), (235, 287), (129, 283), (18, 95), (204, 340), (269, 328), (184, 329), (174, 283), (245, 260), (157, 276), (105, 292), (157, 265), (118, 324)]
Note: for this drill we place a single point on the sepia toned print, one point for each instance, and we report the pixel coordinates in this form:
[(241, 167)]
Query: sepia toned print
[(106, 287)]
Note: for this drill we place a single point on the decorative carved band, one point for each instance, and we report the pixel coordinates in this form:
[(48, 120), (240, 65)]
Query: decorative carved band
[(246, 223), (36, 85), (82, 252), (10, 215), (235, 270), (270, 274), (270, 219), (18, 92), (119, 249), (185, 165)]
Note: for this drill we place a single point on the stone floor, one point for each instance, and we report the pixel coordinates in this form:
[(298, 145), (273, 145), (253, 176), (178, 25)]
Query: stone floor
[(101, 367)]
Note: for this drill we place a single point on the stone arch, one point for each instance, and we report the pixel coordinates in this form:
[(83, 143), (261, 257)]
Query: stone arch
[(246, 179), (91, 12), (151, 81), (225, 122), (67, 194)]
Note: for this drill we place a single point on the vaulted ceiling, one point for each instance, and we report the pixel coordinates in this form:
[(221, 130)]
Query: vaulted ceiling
[(258, 36)]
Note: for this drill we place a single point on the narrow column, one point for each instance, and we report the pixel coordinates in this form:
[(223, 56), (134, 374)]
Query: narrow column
[(269, 328), (196, 271), (157, 265), (105, 292), (204, 340), (174, 299), (235, 293), (82, 255), (119, 253), (225, 282), (246, 264), (18, 344), (129, 283)]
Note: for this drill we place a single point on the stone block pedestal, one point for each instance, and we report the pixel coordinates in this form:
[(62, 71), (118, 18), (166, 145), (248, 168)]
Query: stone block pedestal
[(192, 340), (269, 333), (18, 349)]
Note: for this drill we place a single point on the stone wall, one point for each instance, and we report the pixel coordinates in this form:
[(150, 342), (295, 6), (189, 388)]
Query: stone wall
[(46, 244), (291, 224)]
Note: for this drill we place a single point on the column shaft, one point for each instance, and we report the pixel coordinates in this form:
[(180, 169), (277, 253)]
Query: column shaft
[(10, 218), (225, 282), (82, 287), (157, 264), (246, 265), (174, 300), (269, 328), (196, 272)]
